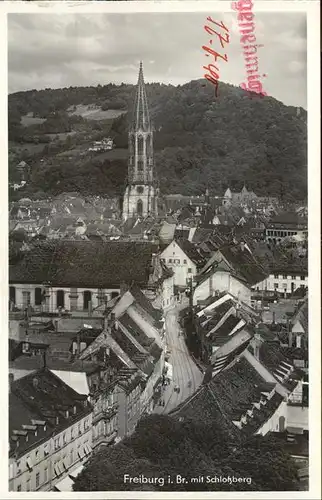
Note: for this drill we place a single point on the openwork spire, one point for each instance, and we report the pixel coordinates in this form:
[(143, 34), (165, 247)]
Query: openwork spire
[(141, 118)]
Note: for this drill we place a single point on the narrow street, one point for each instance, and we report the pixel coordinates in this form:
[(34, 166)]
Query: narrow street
[(186, 374)]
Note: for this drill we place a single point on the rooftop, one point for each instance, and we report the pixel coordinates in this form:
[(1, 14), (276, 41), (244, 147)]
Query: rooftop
[(41, 401), (84, 264)]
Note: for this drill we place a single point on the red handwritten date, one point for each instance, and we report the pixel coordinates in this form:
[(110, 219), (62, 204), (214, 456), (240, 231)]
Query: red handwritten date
[(224, 38)]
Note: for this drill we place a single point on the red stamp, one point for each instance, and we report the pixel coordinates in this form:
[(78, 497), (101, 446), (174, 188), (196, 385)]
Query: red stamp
[(222, 35), (246, 28)]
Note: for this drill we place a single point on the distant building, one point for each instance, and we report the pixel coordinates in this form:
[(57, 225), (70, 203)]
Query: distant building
[(141, 194), (285, 280), (50, 433), (285, 225), (238, 198)]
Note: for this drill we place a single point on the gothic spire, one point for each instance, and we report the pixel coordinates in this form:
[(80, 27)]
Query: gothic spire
[(141, 118)]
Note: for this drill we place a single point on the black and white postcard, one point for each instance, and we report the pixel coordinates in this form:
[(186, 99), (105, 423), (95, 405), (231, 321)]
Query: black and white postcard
[(161, 249)]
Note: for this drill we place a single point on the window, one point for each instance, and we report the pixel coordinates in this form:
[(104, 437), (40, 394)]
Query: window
[(284, 276), (64, 438), (87, 299), (189, 270), (177, 261), (37, 455), (12, 294), (19, 467), (38, 296), (139, 207), (56, 443), (26, 299), (303, 278), (79, 429), (170, 261), (114, 294), (45, 475), (185, 261), (276, 276), (37, 480), (46, 449), (19, 487), (275, 286), (60, 299), (285, 286), (293, 277)]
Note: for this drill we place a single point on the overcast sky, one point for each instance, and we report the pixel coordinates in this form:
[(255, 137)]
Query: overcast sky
[(60, 50)]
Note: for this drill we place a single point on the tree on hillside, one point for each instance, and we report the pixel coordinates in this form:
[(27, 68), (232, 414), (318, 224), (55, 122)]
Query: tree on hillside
[(163, 447)]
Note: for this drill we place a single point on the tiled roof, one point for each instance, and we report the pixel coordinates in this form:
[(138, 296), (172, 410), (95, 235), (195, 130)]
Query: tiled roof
[(191, 252), (244, 263), (238, 388), (136, 331), (203, 406), (302, 315), (84, 264), (278, 364), (145, 303), (42, 397), (224, 330)]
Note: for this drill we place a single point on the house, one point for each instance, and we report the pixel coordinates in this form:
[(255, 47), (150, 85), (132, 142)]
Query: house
[(232, 268), (284, 225), (221, 327), (299, 334), (184, 259), (250, 395), (285, 279), (238, 198), (81, 275), (50, 433), (132, 346)]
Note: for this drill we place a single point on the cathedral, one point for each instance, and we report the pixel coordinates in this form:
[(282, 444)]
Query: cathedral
[(141, 194)]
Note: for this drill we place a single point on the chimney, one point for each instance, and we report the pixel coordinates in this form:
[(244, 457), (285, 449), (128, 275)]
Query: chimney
[(11, 379), (35, 382), (242, 246), (123, 287)]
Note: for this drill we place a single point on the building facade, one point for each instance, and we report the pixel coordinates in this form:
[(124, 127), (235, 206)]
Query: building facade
[(141, 194), (285, 283), (50, 428)]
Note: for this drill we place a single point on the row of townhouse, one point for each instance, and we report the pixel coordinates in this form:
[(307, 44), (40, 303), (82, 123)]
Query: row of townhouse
[(254, 383), (116, 368), (50, 432)]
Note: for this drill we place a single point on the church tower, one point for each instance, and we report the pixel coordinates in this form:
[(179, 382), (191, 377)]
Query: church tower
[(140, 198)]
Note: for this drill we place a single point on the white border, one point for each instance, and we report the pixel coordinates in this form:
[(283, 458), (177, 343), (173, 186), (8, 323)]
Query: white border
[(313, 89)]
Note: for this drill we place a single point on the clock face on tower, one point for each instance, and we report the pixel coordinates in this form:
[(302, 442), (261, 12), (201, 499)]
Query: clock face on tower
[(139, 189)]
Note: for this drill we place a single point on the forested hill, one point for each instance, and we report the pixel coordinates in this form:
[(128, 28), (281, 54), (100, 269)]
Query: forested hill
[(199, 141)]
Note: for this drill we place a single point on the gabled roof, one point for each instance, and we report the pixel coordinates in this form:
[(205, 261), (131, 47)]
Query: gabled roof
[(145, 303), (244, 263), (42, 397), (302, 315), (84, 264), (191, 251)]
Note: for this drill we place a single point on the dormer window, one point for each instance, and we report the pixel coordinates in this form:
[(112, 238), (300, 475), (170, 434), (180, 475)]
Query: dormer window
[(74, 409), (57, 420), (67, 413)]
